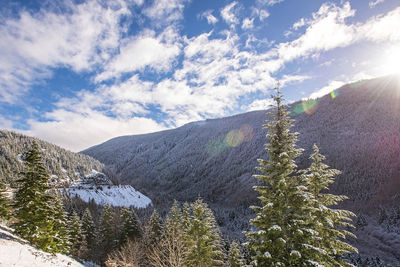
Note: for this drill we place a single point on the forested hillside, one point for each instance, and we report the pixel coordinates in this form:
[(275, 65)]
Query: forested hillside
[(356, 127), (64, 166), (356, 130)]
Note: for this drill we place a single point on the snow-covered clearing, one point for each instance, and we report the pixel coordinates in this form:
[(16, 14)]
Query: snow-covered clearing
[(117, 195)]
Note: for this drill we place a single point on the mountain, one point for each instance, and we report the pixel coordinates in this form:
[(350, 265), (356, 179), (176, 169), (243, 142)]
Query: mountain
[(76, 174), (65, 167), (15, 251), (356, 127)]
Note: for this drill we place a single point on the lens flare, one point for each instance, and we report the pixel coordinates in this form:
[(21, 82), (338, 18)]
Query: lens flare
[(309, 106), (247, 131), (230, 140), (334, 94), (216, 146), (234, 138)]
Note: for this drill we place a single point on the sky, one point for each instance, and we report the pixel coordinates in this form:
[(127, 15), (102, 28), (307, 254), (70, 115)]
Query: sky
[(77, 73)]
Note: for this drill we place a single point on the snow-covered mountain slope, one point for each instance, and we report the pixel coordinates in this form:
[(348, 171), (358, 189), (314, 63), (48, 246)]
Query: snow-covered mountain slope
[(15, 251), (97, 187)]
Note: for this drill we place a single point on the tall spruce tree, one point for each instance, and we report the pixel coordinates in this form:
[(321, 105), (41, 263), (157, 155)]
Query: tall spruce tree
[(330, 223), (107, 231), (75, 234), (130, 225), (88, 235), (36, 210), (4, 202), (154, 229), (282, 220), (204, 242), (60, 228), (234, 255)]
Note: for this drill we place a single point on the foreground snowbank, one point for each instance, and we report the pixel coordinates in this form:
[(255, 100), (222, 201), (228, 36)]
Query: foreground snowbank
[(15, 251)]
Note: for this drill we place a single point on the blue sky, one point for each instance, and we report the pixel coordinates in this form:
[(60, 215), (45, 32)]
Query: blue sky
[(77, 73)]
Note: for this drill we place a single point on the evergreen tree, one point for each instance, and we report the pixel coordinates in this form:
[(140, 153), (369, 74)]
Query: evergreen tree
[(154, 229), (281, 233), (4, 202), (88, 235), (106, 230), (75, 234), (37, 212), (130, 225), (60, 228), (171, 251), (204, 243), (234, 257), (330, 223)]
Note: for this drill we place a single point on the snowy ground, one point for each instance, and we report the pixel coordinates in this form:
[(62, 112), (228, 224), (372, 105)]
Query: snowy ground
[(117, 195), (15, 251)]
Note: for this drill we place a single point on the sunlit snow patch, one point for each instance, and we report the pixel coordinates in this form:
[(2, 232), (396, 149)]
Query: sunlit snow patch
[(116, 195), (97, 187)]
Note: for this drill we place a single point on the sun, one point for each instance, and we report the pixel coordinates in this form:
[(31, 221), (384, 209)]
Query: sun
[(390, 63)]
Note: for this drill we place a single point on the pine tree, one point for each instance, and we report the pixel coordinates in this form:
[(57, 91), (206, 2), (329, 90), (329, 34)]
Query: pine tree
[(88, 235), (106, 230), (281, 222), (130, 225), (4, 202), (330, 223), (234, 257), (75, 234), (204, 241), (37, 212)]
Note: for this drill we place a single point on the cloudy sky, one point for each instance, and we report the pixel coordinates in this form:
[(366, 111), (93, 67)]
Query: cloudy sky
[(77, 73)]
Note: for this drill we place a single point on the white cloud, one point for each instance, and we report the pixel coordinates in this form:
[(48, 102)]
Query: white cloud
[(145, 50), (77, 131), (260, 104), (211, 19), (165, 11), (372, 4), (6, 124), (248, 23), (299, 24), (269, 2), (228, 14), (32, 44), (328, 30)]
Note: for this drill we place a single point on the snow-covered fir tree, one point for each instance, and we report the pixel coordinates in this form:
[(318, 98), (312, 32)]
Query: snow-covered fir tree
[(60, 227), (154, 229), (204, 242), (88, 235), (171, 250), (130, 228), (234, 255), (4, 202), (281, 224), (330, 223), (36, 210), (75, 233), (107, 236)]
